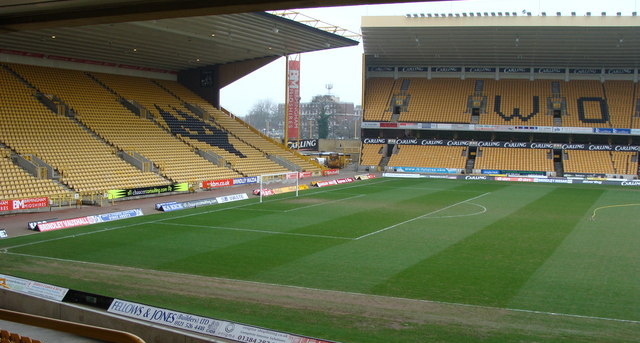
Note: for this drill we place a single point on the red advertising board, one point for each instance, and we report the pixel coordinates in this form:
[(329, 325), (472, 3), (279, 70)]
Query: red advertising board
[(217, 183), (23, 204), (63, 224), (330, 172), (293, 93), (305, 174)]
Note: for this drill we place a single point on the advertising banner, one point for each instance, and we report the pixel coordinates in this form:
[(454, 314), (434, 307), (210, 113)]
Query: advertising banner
[(203, 325), (123, 193), (217, 183), (100, 218), (330, 172), (34, 224), (293, 94), (426, 170), (23, 204), (33, 288), (303, 144), (245, 180), (233, 197)]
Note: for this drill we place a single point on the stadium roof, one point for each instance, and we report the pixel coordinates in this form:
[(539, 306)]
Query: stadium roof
[(527, 41), (178, 43)]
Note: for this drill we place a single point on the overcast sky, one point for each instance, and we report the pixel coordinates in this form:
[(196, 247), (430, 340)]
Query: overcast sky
[(342, 67)]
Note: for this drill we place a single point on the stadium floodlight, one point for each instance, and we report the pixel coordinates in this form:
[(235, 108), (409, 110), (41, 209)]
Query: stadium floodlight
[(464, 14), (558, 14), (573, 14), (500, 14), (529, 14), (422, 15), (429, 15), (619, 14), (544, 14), (408, 15), (515, 14), (634, 13), (471, 14), (604, 14), (588, 14), (507, 14), (493, 14), (486, 14)]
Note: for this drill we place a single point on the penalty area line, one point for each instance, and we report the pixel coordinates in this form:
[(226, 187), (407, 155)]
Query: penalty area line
[(259, 231), (419, 217)]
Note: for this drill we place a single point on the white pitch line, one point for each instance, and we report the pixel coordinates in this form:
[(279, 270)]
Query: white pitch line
[(324, 203), (258, 231), (484, 210), (419, 217), (558, 314)]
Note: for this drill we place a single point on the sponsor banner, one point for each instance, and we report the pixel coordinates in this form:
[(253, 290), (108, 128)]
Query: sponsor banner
[(403, 175), (99, 218), (446, 69), (303, 175), (289, 189), (23, 204), (478, 177), (203, 325), (198, 203), (303, 144), (292, 176), (490, 171), (172, 207), (550, 70), (374, 141), (389, 125), (230, 198), (107, 217), (324, 183), (585, 71), (217, 183), (624, 183), (34, 224), (245, 180), (63, 224), (330, 172), (123, 193), (264, 192), (32, 288), (545, 180), (293, 95), (515, 70), (480, 69), (587, 175), (365, 176), (3, 233), (514, 179), (158, 206), (345, 180), (369, 125), (426, 170), (381, 69), (413, 69), (619, 71)]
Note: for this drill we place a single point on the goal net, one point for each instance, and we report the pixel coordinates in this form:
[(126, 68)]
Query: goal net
[(278, 181)]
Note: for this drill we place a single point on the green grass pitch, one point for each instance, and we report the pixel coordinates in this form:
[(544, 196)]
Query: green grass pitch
[(513, 262)]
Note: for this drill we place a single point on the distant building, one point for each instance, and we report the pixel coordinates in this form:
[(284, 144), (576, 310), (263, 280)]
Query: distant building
[(344, 117)]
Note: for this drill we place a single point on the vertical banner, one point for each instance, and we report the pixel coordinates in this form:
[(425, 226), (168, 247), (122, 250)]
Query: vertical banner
[(293, 97)]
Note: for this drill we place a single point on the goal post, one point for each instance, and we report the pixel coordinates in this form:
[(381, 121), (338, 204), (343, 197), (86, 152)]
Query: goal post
[(279, 180)]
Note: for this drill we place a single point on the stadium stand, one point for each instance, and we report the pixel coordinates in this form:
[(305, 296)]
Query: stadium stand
[(620, 101), (371, 154), (438, 100), (378, 95), (106, 117), (516, 102), (243, 136), (588, 162), (16, 183), (514, 159), (84, 163), (429, 156), (589, 115)]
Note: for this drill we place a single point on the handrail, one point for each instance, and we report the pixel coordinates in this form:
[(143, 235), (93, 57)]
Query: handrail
[(89, 331)]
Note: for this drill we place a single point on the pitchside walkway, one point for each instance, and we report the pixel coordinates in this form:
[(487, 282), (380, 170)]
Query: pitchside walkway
[(16, 225)]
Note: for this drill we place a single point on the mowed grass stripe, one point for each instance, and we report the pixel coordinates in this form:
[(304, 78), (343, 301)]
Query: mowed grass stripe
[(595, 271), (248, 259), (492, 265)]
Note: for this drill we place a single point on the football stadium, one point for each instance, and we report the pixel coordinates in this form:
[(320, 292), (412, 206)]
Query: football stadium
[(492, 199)]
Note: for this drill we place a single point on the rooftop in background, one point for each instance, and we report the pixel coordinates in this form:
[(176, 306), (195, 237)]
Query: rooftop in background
[(497, 39), (178, 43)]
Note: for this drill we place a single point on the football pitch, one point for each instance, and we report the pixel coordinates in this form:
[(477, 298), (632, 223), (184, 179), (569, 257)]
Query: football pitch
[(382, 260)]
